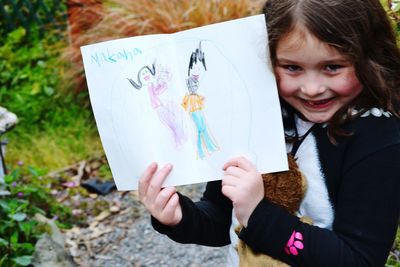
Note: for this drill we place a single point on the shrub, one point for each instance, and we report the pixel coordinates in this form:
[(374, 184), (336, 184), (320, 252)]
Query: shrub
[(55, 126), (30, 76), (392, 7), (19, 230)]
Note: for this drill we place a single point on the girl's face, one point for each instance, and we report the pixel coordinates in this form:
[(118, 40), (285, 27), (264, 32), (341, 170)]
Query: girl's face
[(197, 71), (314, 77), (146, 76)]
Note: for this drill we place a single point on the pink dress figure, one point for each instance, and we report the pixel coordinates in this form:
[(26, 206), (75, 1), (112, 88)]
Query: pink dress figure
[(168, 113)]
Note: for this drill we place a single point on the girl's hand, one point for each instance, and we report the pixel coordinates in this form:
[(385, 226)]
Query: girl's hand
[(244, 186), (162, 203)]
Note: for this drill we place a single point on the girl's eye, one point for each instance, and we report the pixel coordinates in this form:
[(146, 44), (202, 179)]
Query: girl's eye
[(292, 68), (332, 67)]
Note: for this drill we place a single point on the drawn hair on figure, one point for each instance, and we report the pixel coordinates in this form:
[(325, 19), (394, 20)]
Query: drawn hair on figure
[(197, 55), (142, 72)]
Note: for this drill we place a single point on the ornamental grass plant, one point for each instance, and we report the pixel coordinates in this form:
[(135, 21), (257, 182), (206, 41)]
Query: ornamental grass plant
[(127, 18)]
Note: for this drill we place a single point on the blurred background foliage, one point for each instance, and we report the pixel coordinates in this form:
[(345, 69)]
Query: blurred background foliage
[(42, 79), (55, 126), (41, 73)]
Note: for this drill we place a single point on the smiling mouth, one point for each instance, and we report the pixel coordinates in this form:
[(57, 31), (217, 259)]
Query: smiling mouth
[(319, 104)]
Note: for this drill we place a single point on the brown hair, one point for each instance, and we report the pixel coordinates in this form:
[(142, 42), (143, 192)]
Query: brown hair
[(361, 31)]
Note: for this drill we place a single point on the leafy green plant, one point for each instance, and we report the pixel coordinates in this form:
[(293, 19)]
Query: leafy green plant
[(43, 14), (26, 76), (19, 230), (394, 256), (55, 128), (392, 7)]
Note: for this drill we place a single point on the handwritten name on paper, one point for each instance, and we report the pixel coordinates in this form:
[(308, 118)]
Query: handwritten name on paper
[(108, 57)]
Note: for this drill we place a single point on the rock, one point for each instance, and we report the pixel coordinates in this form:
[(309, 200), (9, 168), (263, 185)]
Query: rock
[(56, 234), (48, 253), (114, 209), (4, 192), (7, 120)]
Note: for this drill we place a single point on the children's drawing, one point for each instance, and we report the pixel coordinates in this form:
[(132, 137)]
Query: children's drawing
[(156, 81), (152, 106), (194, 103)]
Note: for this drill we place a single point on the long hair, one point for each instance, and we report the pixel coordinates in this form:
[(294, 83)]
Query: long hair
[(139, 84), (361, 31), (197, 55)]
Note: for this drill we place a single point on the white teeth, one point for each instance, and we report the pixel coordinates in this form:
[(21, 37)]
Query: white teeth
[(318, 102)]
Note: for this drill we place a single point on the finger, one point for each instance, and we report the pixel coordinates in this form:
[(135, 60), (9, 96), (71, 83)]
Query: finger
[(144, 180), (163, 197), (240, 162), (172, 205), (158, 179), (230, 180), (235, 171), (228, 191)]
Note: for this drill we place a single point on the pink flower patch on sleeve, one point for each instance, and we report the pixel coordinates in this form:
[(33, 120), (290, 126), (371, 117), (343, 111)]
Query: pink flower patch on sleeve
[(294, 244)]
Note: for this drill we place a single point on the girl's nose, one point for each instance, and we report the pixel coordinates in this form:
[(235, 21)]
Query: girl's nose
[(313, 88)]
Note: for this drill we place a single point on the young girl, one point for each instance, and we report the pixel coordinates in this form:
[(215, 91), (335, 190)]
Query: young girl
[(338, 72)]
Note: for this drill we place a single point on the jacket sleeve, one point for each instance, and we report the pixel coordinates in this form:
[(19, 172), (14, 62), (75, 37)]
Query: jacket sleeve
[(205, 222), (366, 220)]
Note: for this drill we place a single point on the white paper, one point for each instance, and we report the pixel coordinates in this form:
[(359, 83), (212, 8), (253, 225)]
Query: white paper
[(143, 119)]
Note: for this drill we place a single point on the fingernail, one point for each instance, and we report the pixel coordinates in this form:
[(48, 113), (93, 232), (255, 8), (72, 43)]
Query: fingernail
[(168, 166)]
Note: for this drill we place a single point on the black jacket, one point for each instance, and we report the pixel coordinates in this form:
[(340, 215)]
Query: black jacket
[(362, 179)]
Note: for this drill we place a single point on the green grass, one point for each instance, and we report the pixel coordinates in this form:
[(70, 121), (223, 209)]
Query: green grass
[(54, 148), (67, 135)]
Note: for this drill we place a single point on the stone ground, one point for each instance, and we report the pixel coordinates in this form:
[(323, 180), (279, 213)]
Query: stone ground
[(123, 237), (117, 230)]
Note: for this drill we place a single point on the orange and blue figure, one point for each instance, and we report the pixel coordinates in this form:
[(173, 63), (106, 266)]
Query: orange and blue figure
[(194, 103)]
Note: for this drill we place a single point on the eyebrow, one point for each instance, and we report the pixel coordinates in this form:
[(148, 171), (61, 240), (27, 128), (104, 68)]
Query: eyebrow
[(325, 62)]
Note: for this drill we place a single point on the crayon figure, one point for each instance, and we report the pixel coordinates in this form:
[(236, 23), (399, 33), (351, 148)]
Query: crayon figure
[(194, 103)]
